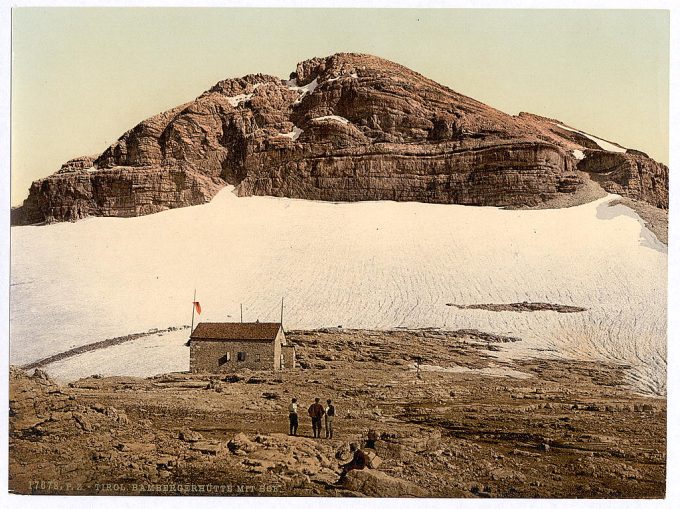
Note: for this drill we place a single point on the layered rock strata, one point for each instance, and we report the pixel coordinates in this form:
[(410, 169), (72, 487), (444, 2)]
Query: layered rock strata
[(348, 127), (118, 192), (633, 175)]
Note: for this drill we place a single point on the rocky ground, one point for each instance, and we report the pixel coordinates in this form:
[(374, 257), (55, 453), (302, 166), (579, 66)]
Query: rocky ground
[(537, 428), (522, 307)]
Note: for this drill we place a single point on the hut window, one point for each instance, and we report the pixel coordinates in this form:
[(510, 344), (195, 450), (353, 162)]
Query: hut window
[(225, 358), (241, 356)]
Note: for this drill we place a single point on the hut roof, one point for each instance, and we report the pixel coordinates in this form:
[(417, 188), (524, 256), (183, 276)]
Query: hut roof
[(236, 331)]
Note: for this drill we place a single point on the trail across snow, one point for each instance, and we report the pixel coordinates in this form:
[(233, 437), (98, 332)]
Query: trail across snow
[(362, 265)]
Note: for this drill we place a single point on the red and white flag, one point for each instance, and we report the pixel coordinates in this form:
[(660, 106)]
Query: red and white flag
[(197, 306)]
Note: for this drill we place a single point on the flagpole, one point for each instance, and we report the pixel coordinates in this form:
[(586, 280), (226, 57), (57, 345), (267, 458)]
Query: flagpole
[(193, 310), (281, 322)]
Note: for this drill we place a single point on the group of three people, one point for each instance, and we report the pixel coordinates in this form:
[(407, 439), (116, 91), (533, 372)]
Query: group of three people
[(316, 411)]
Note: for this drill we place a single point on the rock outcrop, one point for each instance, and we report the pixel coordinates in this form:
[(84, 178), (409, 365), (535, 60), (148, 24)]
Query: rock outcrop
[(119, 192), (374, 483), (633, 175), (348, 127)]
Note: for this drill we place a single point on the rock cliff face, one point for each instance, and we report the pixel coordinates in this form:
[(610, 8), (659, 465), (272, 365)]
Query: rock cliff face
[(632, 174), (120, 192), (347, 127)]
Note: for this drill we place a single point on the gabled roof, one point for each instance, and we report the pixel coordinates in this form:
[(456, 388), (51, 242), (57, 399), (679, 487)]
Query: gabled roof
[(236, 331)]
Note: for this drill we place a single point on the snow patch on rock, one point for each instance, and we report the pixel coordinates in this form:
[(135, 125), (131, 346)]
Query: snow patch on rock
[(294, 134), (603, 144), (342, 76), (238, 99), (492, 370), (333, 117), (303, 90)]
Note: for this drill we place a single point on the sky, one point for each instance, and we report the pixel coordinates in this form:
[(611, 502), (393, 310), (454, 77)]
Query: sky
[(82, 77)]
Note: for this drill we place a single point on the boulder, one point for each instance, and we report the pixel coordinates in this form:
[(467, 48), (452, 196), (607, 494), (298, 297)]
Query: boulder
[(190, 436), (240, 442), (209, 447), (374, 483), (41, 375), (82, 422)]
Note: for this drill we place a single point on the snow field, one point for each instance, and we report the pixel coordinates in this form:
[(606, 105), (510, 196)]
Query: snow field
[(375, 265)]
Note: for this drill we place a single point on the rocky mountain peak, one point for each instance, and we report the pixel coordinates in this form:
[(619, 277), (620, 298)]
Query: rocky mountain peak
[(345, 127)]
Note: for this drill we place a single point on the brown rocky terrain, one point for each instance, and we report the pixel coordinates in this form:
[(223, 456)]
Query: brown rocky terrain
[(346, 127), (634, 176), (537, 428), (522, 307)]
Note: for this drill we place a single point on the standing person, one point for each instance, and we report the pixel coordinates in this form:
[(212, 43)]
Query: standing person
[(293, 417), (316, 412), (330, 413)]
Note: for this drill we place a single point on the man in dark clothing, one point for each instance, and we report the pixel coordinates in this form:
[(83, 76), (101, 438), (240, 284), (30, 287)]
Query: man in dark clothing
[(316, 412), (359, 460)]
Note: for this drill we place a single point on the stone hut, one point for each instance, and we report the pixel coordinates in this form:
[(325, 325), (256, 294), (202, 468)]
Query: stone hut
[(222, 347)]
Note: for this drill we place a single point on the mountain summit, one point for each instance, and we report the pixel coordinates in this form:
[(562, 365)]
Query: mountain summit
[(347, 127)]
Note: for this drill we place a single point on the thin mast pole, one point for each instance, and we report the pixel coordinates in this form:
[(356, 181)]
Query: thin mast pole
[(193, 310), (241, 313), (281, 322)]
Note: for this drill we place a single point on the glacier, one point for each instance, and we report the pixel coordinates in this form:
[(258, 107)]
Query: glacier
[(377, 265)]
